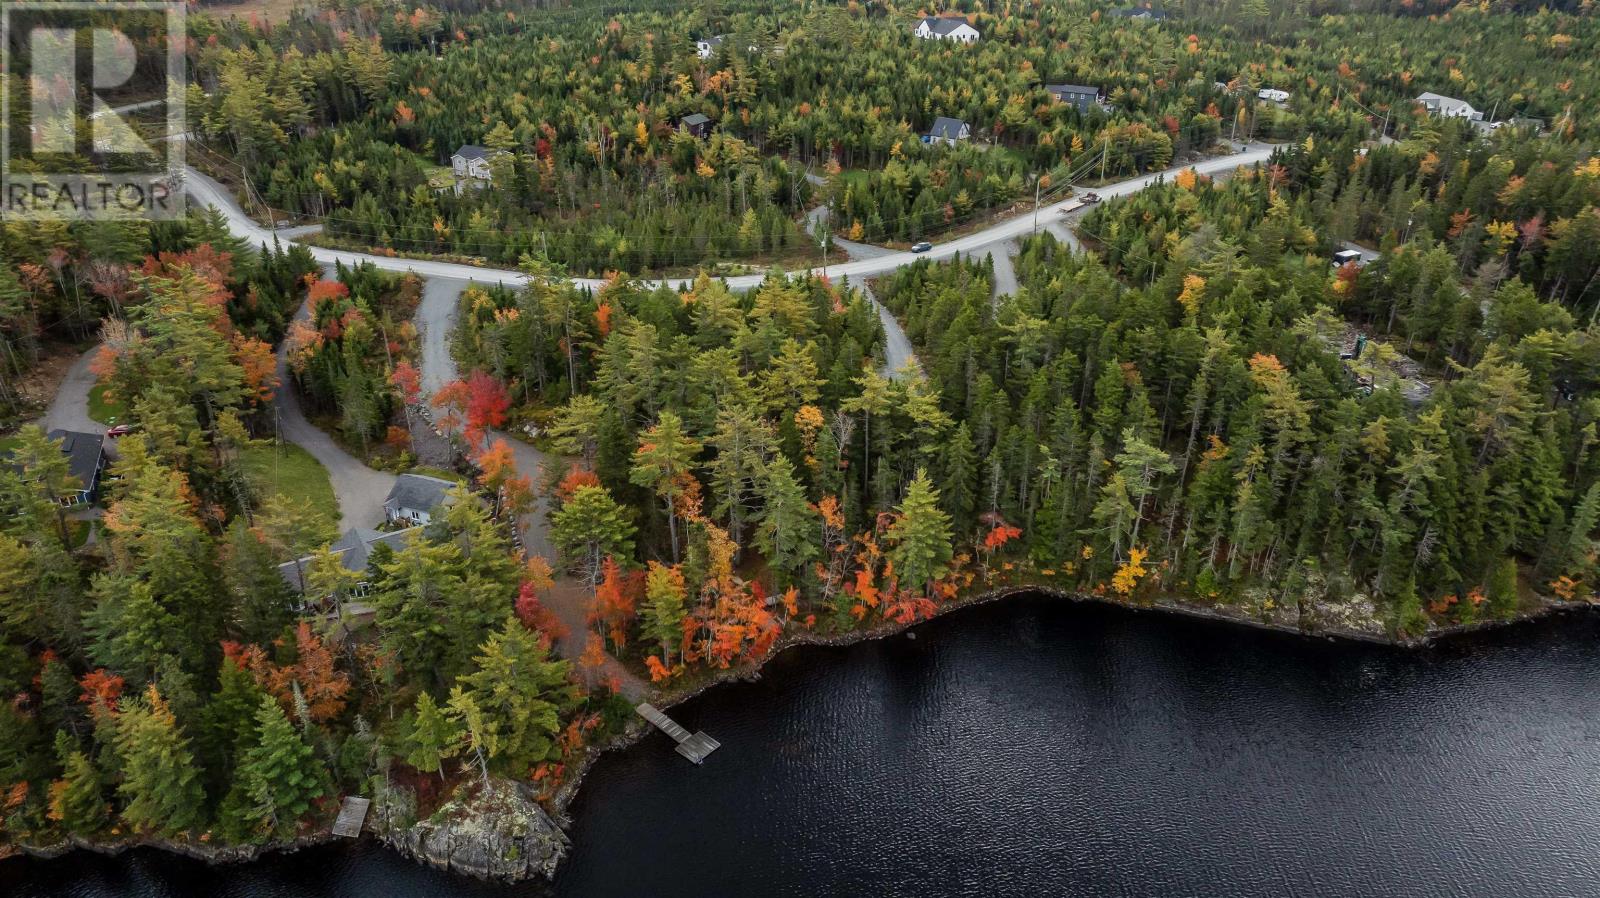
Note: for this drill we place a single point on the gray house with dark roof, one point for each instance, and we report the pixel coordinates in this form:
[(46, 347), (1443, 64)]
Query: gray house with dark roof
[(354, 550), (948, 131), (1078, 95), (86, 461), (415, 497)]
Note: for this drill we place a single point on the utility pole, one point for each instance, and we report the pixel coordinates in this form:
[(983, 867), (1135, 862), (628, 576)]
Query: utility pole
[(1036, 184)]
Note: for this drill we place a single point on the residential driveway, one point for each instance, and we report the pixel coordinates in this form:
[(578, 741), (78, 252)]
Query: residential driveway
[(69, 409), (1005, 276), (359, 489), (436, 318)]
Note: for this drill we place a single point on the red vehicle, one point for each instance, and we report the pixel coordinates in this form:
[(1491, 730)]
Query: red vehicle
[(121, 430)]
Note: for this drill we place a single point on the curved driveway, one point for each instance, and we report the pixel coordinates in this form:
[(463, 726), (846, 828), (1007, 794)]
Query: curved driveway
[(359, 489)]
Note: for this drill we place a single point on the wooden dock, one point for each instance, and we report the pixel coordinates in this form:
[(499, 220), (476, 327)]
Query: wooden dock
[(352, 815), (694, 746)]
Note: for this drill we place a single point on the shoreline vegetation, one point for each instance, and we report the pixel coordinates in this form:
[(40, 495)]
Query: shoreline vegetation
[(559, 805)]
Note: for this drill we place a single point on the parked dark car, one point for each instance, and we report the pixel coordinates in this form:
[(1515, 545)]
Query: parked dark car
[(921, 247), (121, 430)]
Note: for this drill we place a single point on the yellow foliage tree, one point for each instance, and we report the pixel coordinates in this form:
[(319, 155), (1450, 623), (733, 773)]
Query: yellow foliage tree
[(1127, 577)]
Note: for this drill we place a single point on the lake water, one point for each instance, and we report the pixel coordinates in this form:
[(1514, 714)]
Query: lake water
[(1038, 747)]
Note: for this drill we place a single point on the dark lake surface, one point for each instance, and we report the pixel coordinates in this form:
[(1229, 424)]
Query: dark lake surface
[(1037, 747)]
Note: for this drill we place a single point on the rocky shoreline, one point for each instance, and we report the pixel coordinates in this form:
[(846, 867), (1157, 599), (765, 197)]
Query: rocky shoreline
[(503, 834)]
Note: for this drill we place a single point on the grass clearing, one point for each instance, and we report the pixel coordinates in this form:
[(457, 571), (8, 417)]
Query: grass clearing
[(104, 410), (290, 471)]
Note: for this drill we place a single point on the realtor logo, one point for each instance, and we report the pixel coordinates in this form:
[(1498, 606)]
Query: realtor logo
[(91, 109)]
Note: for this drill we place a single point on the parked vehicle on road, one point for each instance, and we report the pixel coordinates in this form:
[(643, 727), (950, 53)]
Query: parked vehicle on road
[(1090, 197), (121, 430), (921, 247)]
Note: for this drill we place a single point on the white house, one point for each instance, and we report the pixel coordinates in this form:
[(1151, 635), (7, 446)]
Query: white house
[(471, 163), (415, 497), (706, 46), (1272, 95), (1448, 107), (946, 28), (948, 131)]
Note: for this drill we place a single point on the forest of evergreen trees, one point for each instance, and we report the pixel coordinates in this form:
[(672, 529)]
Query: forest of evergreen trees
[(340, 116)]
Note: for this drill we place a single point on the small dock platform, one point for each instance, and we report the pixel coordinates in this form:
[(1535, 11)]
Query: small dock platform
[(352, 816), (694, 746)]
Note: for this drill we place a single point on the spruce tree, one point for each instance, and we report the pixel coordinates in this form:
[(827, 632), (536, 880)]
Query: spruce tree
[(280, 772), (787, 522), (921, 536), (160, 780), (663, 608), (76, 802), (433, 737)]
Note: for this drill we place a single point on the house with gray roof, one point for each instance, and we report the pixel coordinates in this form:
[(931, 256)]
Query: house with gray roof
[(354, 550), (946, 28), (695, 125), (1080, 96), (471, 163), (948, 131), (86, 461), (1448, 107), (415, 497)]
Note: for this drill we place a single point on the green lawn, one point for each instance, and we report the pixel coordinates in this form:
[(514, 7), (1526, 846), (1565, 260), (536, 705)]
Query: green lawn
[(102, 410), (291, 471)]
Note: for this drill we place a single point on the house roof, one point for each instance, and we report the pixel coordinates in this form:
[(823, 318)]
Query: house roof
[(354, 549), (1442, 102), (949, 128), (1059, 90), (1140, 12), (83, 454), (713, 41), (419, 492), (695, 119), (472, 151), (946, 25)]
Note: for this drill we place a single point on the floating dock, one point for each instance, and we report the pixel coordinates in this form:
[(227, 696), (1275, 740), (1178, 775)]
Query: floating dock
[(352, 815), (694, 746)]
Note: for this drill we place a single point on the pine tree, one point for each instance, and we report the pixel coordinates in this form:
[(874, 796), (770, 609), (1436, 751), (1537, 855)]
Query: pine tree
[(433, 737), (921, 536), (588, 528), (160, 781), (958, 491), (76, 802), (663, 462), (280, 772), (663, 608), (520, 693), (1503, 600), (787, 522)]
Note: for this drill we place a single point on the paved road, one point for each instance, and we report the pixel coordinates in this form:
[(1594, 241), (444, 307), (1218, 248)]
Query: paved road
[(208, 191), (359, 489)]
